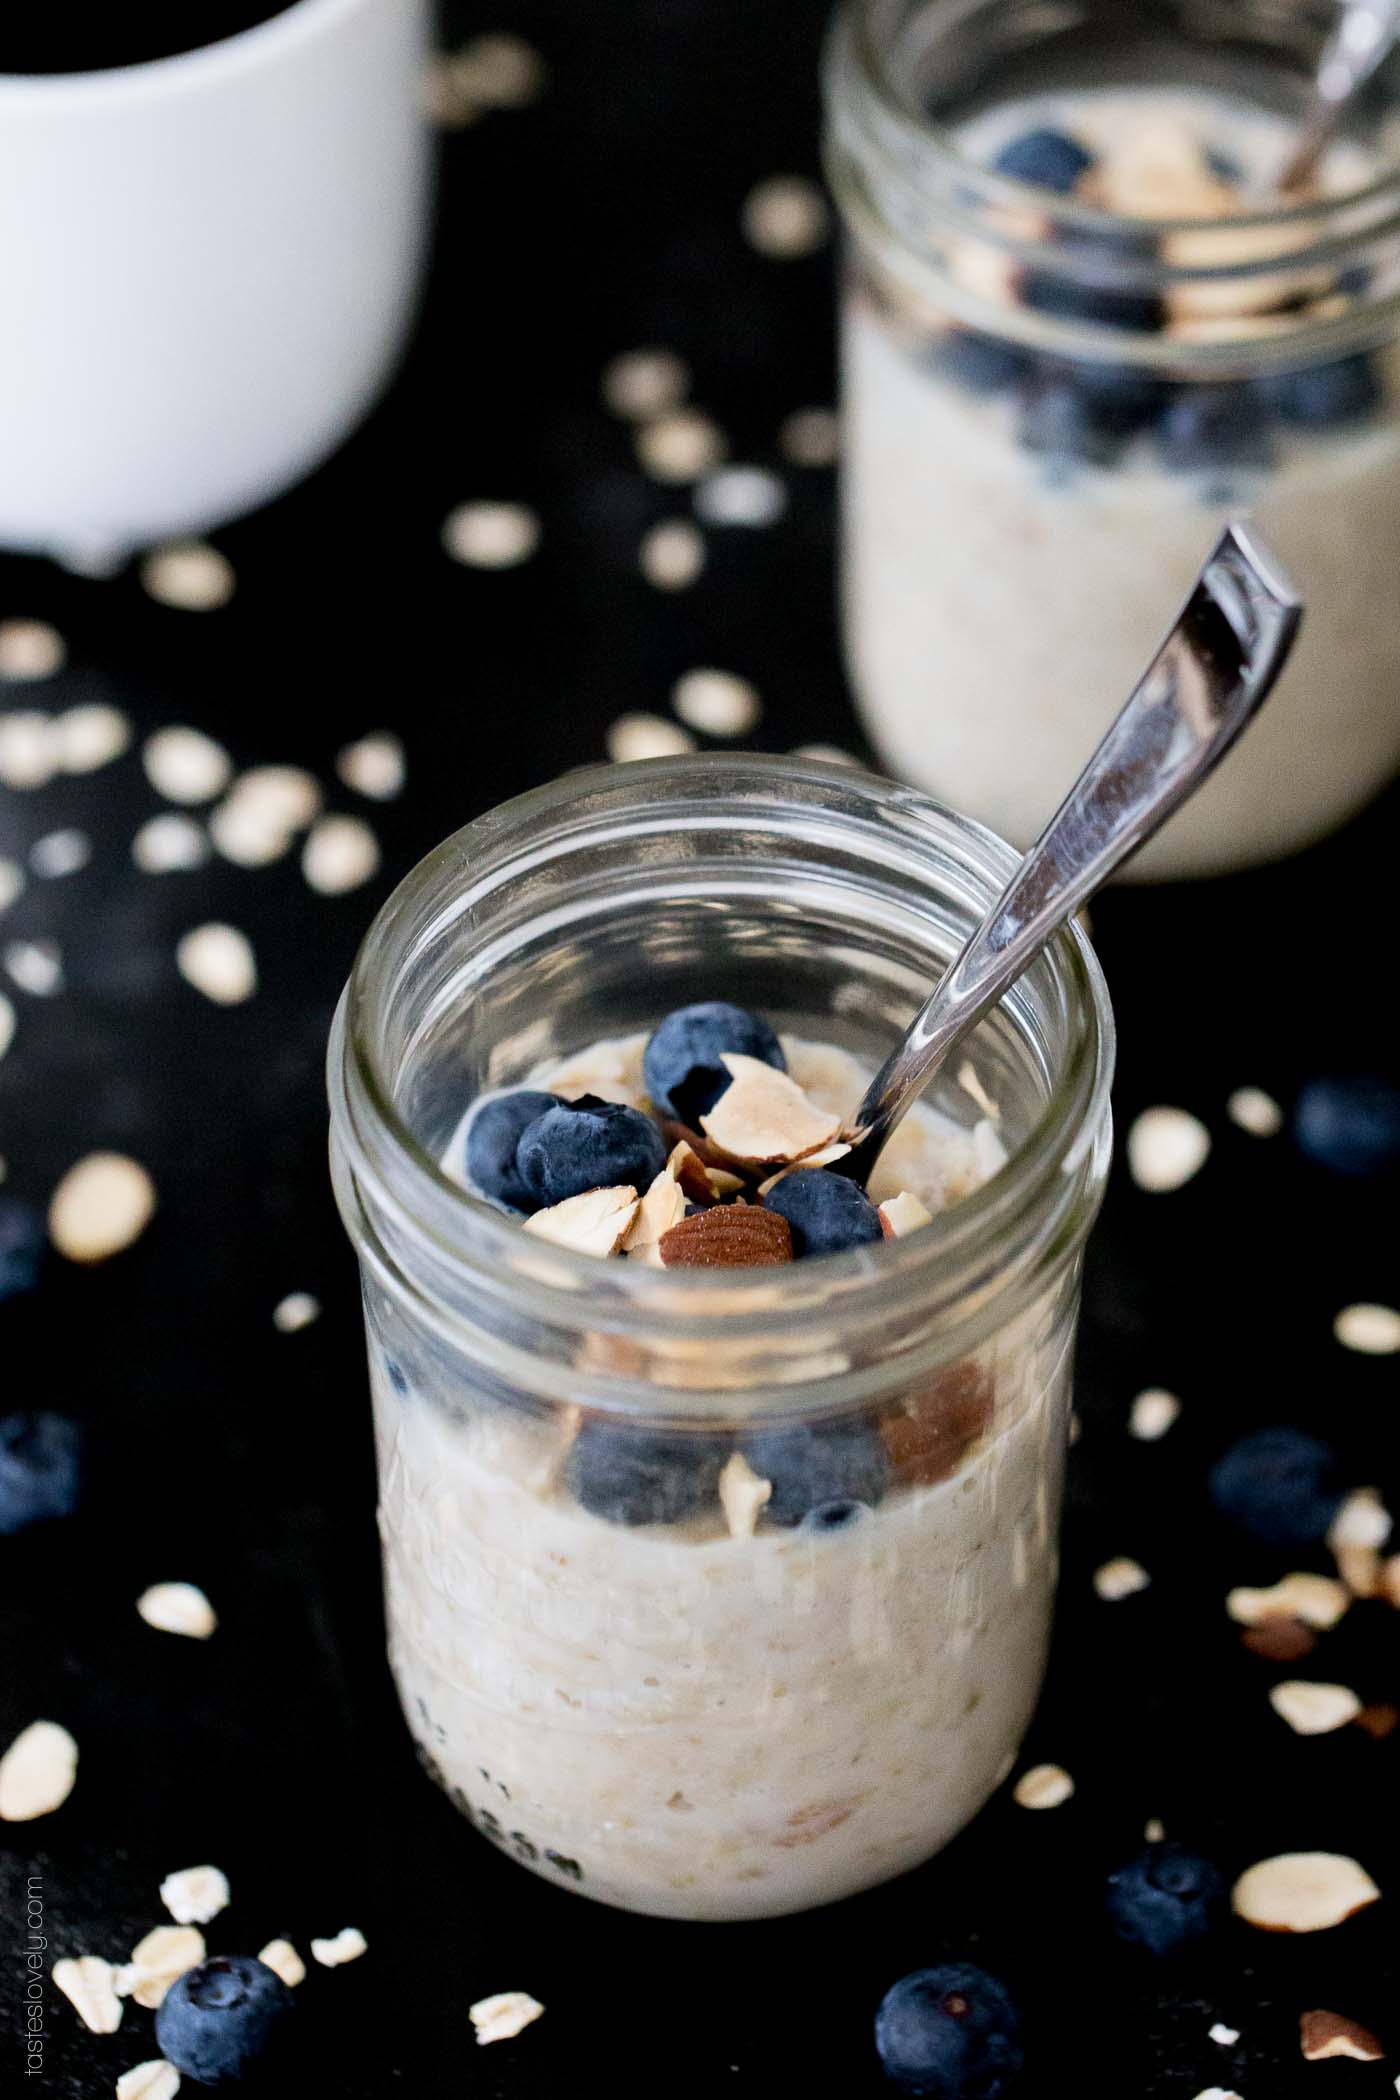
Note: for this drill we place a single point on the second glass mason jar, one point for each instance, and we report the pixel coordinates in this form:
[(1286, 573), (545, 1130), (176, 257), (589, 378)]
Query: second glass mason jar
[(1051, 400), (691, 1719)]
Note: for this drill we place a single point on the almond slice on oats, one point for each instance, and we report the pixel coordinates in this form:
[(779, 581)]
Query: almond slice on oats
[(732, 1236), (1318, 1600), (1302, 1892), (500, 2018), (37, 1772), (902, 1214), (156, 2080), (662, 1207), (764, 1116), (597, 1222), (827, 1156), (1313, 1709), (1325, 2034), (86, 1982), (744, 1495)]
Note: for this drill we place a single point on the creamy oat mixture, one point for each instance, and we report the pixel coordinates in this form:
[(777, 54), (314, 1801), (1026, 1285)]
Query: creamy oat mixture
[(701, 1724)]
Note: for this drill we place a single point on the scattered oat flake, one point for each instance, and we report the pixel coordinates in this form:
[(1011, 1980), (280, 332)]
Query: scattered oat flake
[(282, 1958), (189, 575), (680, 446), (1217, 2092), (1318, 1600), (500, 71), (902, 1214), (445, 98), (597, 1222), (30, 649), (37, 1772), (744, 496), (1225, 2036), (373, 766), (809, 437), (177, 1607), (156, 2080), (1166, 1147), (194, 1895), (1043, 1786), (1324, 2034), (491, 535), (297, 1310), (1302, 1892), (1154, 1830), (500, 2018), (103, 1204), (169, 842), (28, 750), (744, 1495), (36, 967), (348, 1945), (86, 1982), (88, 737), (640, 736), (1373, 1330), (255, 823), (641, 384), (672, 555), (1362, 1520), (1251, 1109), (340, 854), (763, 1115), (60, 853), (186, 766), (1314, 1709), (716, 702), (1152, 1414), (1120, 1578), (219, 962), (11, 882), (165, 1954), (784, 217)]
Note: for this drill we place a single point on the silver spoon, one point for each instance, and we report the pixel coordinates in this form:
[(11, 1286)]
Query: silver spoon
[(1206, 683), (1363, 38)]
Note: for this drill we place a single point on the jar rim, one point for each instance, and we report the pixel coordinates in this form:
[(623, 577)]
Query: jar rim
[(470, 1232)]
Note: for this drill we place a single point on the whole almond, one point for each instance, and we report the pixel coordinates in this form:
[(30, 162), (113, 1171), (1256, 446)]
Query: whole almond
[(731, 1236)]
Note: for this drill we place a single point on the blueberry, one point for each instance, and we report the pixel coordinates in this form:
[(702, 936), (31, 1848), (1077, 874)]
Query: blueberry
[(812, 1465), (631, 1475), (1070, 298), (216, 2019), (1166, 1898), (826, 1212), (982, 363), (493, 1135), (588, 1144), (1278, 1485), (1046, 158), (835, 1516), (1320, 396), (39, 1469), (1350, 1123), (953, 2033), (682, 1069), (1086, 412), (21, 1247), (1208, 427)]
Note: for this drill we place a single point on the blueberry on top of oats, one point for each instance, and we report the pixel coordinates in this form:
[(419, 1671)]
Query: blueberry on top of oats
[(493, 1136), (588, 1144), (683, 1065), (827, 1213)]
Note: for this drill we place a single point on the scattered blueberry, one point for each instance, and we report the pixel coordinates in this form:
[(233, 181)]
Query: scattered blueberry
[(682, 1067), (493, 1136), (588, 1144), (1086, 412), (21, 1247), (1072, 298), (1350, 1123), (982, 363), (630, 1475), (1279, 1485), (814, 1465), (1209, 427), (1322, 395), (216, 2019), (1165, 1898), (39, 1469), (1049, 159), (952, 2033), (826, 1212), (835, 1516)]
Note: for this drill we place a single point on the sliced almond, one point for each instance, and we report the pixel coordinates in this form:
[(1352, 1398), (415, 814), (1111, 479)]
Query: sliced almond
[(194, 1895), (282, 1958), (826, 1157), (1302, 1892), (86, 1982), (37, 1772), (500, 2018), (744, 1494), (1326, 2034), (1314, 1709), (765, 1117), (1043, 1786), (686, 1167), (662, 1207), (1318, 1600), (902, 1214), (160, 1959), (597, 1222), (731, 1236)]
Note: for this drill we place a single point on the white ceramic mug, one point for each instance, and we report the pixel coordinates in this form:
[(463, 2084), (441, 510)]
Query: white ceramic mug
[(208, 264)]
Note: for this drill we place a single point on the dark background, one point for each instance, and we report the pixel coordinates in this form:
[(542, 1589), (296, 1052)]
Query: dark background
[(223, 1452)]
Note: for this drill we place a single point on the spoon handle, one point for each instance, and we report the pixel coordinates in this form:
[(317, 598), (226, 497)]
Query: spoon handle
[(1206, 682), (1365, 32)]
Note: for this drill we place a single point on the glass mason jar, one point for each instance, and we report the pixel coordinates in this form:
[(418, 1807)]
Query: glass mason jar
[(1050, 405), (672, 1718)]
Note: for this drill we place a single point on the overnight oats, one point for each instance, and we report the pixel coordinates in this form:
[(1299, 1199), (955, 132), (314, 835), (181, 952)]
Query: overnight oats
[(1080, 325), (718, 1495)]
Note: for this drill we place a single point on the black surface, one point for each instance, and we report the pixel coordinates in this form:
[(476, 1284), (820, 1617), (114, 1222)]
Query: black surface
[(237, 1457)]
